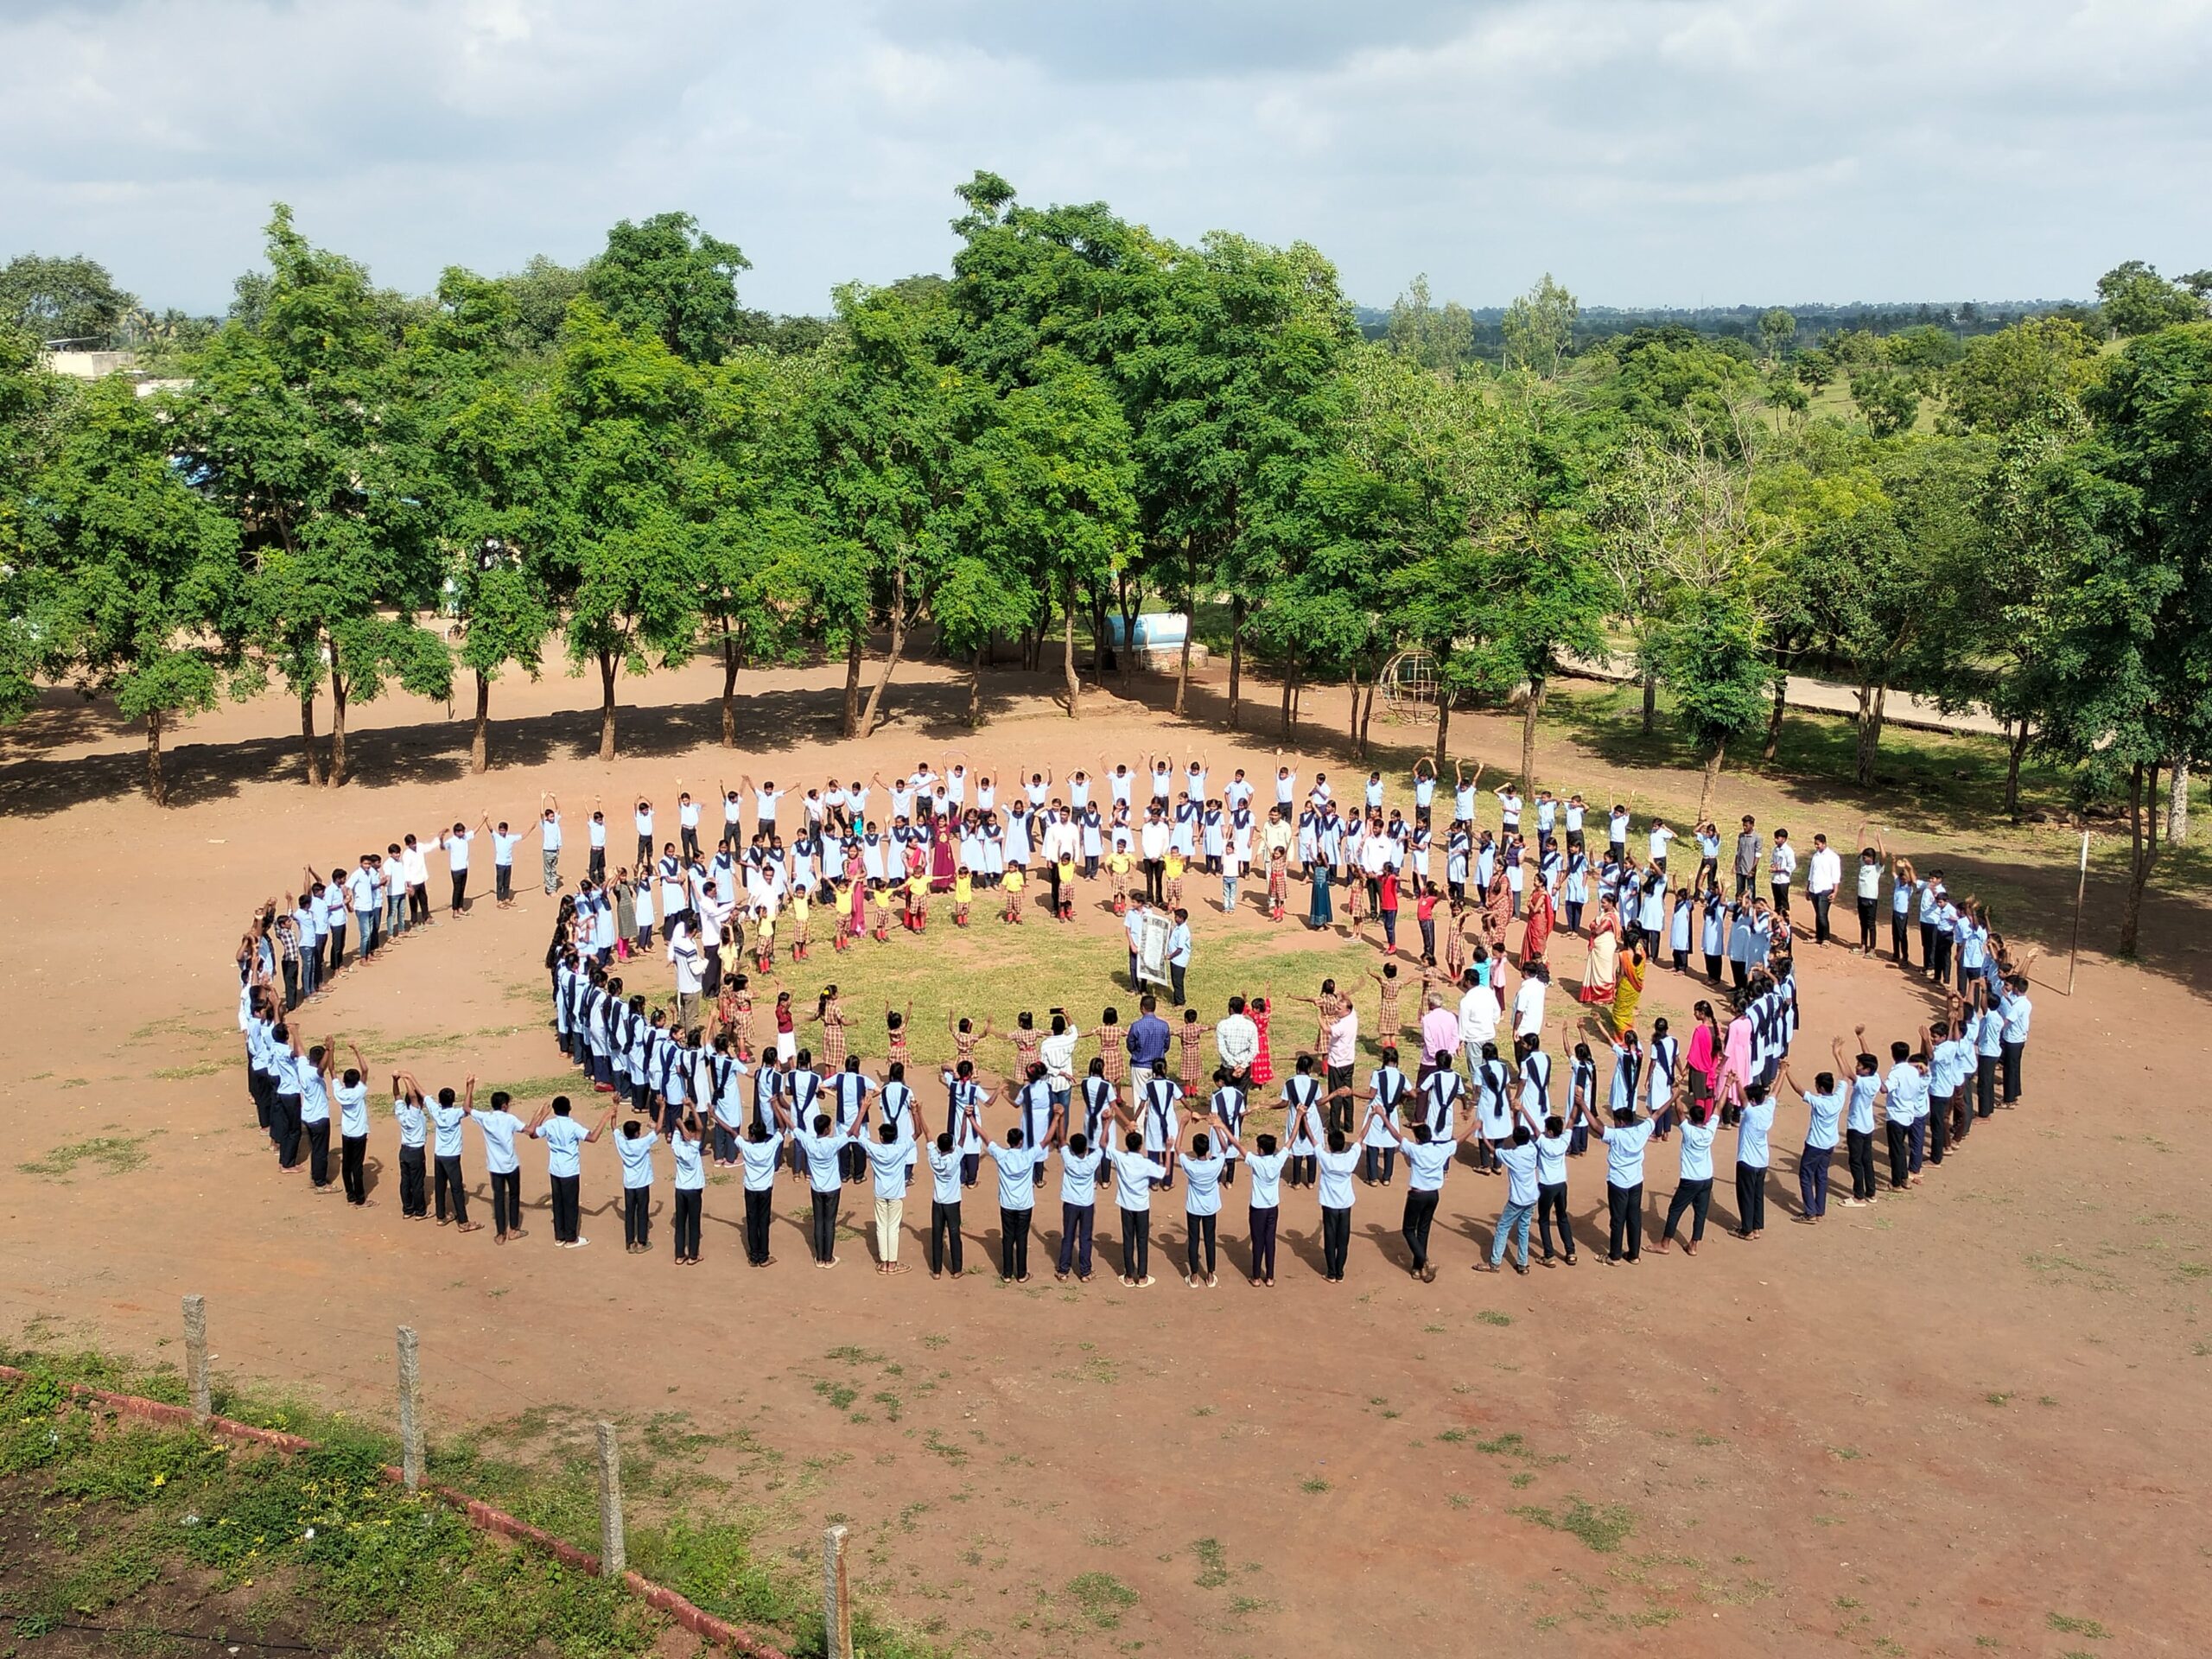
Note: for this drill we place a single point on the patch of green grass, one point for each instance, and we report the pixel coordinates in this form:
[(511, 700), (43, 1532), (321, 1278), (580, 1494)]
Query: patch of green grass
[(107, 1155), (178, 1073), (1997, 1399), (1603, 1529), (951, 1452), (1524, 1480), (1213, 1563), (1314, 1483), (1491, 1316), (837, 1394), (1100, 1597), (2065, 1626)]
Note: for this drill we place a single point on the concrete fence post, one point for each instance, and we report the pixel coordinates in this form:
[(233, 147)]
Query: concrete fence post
[(612, 1559), (195, 1359), (837, 1601), (410, 1412)]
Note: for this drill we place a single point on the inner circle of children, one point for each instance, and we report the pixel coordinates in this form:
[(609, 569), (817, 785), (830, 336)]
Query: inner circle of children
[(715, 1078)]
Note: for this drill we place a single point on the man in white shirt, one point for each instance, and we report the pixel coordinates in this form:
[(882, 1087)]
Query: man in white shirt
[(1237, 1041), (1781, 865), (1528, 1002), (1152, 845), (1823, 874), (683, 951), (1478, 1019)]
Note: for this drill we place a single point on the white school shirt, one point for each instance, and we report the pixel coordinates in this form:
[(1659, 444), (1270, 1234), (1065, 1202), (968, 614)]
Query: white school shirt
[(1267, 1178), (823, 1174), (565, 1138), (690, 1166), (1520, 1173), (1427, 1161), (1017, 1175), (944, 1175), (1819, 1130), (891, 1161), (1825, 873), (352, 1111), (761, 1158), (1079, 1177), (1202, 1184), (1624, 1152), (503, 848), (1528, 1008), (415, 865), (1336, 1168), (1133, 1174), (1782, 864), (457, 849), (1906, 1087), (445, 1123), (1551, 1160), (499, 1129), (1751, 1131), (1697, 1150), (414, 1123), (637, 1158)]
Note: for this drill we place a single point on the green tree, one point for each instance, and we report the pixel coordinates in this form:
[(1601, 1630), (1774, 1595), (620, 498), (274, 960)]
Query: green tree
[(1050, 506), (668, 279), (1888, 400), (135, 588), (624, 555), (2128, 686), (2030, 372), (1539, 329), (540, 295), (1777, 327), (493, 441), (2136, 300), (71, 298), (29, 396), (1437, 338), (299, 427), (893, 422)]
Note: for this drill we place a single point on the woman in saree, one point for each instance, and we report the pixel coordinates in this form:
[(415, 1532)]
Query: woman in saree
[(1601, 974), (941, 857), (1630, 991), (1321, 910), (1537, 934)]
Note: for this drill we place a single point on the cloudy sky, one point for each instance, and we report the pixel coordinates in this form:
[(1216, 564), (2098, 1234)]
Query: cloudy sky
[(1645, 151)]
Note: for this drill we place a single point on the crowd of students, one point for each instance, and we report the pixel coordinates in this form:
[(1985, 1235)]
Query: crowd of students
[(1134, 1112)]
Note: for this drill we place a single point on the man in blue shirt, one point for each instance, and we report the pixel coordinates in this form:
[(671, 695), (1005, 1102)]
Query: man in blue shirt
[(1148, 1037), (1179, 955)]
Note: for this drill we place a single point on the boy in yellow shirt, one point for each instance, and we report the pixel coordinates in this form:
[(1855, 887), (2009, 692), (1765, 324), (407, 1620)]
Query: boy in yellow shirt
[(1117, 867), (1010, 884)]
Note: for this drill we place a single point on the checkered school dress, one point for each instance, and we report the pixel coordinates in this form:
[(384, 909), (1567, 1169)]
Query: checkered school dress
[(1193, 1038), (833, 1036)]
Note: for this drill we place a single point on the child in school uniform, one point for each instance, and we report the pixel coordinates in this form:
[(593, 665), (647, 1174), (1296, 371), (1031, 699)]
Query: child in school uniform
[(1012, 885), (800, 908), (1117, 873), (964, 893)]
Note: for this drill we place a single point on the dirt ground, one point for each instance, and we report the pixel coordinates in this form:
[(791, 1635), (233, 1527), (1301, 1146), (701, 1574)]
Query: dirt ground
[(1966, 1419)]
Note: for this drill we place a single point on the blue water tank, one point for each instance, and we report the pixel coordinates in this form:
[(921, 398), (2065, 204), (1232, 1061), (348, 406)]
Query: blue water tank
[(1155, 629)]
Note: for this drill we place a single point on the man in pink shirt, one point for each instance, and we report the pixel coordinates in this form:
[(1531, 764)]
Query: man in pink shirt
[(1439, 1031)]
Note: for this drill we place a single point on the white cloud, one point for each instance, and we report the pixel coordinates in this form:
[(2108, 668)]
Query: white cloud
[(1643, 150)]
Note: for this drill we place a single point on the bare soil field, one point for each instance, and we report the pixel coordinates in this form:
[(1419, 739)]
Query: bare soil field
[(1967, 1420)]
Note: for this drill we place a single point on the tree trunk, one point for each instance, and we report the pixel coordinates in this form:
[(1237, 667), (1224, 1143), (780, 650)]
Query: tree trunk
[(729, 692), (1529, 710), (1712, 785), (1650, 701), (891, 657), (337, 727), (1352, 723), (1132, 600), (1067, 656), (849, 724), (1774, 718), (1236, 657), (158, 789), (2016, 747), (306, 741), (1097, 639), (1289, 694), (2142, 848), (609, 665), (975, 690), (1443, 727), (1872, 696), (1367, 714), (2177, 803), (479, 741)]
